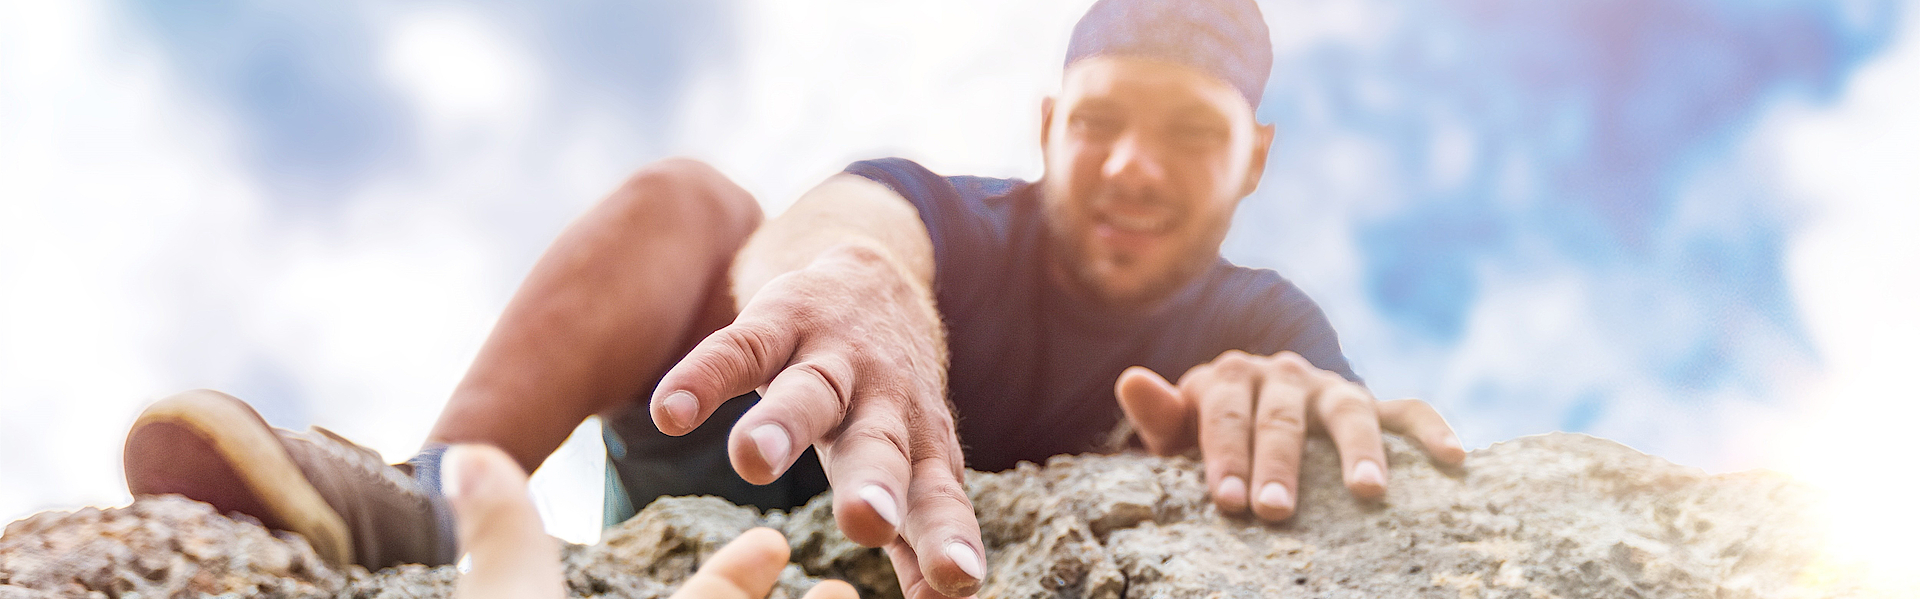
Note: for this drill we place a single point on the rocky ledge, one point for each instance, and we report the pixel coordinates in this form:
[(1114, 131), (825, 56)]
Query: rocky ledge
[(1551, 516)]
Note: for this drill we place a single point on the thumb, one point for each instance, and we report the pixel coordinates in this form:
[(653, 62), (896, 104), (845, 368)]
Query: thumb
[(1156, 409), (832, 589), (512, 556), (746, 568)]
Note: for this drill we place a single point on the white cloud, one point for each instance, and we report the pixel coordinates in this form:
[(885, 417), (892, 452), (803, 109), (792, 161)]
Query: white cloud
[(1299, 25), (1855, 272), (137, 258), (956, 86), (457, 67), (100, 172)]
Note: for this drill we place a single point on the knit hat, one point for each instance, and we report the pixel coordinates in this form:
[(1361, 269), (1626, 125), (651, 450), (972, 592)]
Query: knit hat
[(1224, 38)]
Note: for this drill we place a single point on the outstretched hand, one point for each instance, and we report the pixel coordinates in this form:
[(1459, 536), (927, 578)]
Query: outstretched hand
[(513, 558), (1250, 416), (851, 359)]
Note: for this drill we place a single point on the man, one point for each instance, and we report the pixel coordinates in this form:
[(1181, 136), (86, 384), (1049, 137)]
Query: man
[(1044, 311)]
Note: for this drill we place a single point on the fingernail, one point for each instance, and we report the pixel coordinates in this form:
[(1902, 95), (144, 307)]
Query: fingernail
[(1274, 495), (774, 444), (681, 408), (969, 562), (1233, 490), (1367, 472), (882, 504), (1452, 442)]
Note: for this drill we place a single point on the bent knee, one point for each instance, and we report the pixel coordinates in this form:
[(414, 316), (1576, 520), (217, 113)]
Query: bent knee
[(686, 195)]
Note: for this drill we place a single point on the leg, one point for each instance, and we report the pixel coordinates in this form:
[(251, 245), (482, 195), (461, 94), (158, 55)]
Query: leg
[(623, 293)]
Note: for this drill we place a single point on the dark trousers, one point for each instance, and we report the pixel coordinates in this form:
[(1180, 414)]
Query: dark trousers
[(644, 464)]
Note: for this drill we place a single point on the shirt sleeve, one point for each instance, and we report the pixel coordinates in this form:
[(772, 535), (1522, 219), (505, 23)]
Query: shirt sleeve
[(929, 193), (1292, 322), (968, 236), (1311, 335)]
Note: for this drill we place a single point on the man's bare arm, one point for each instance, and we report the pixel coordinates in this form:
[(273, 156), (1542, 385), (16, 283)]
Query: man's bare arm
[(845, 209)]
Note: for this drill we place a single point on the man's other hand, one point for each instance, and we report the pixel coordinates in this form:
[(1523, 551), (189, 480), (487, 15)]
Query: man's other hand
[(1250, 416), (513, 558), (850, 358)]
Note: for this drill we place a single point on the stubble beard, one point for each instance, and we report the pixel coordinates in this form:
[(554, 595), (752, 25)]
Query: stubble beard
[(1073, 248)]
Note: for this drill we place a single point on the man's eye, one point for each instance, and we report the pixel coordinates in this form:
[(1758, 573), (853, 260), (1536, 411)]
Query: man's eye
[(1198, 133), (1094, 125)]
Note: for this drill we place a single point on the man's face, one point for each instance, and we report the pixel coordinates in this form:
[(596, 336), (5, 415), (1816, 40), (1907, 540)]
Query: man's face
[(1145, 161)]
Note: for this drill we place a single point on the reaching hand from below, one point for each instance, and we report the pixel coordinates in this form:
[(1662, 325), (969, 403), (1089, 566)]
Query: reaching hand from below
[(510, 554), (513, 558)]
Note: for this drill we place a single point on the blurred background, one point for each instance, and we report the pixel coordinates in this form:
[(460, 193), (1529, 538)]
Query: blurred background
[(1686, 225)]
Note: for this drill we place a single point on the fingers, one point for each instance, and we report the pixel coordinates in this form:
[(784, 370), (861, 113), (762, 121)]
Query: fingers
[(1418, 420), (941, 529), (1225, 397), (1158, 412), (832, 589), (745, 568), (906, 564), (730, 362), (868, 466), (800, 406), (1279, 437), (1253, 417), (499, 529), (1347, 412)]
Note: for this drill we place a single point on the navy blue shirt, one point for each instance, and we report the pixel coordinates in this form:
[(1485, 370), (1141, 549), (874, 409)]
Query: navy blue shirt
[(1031, 368)]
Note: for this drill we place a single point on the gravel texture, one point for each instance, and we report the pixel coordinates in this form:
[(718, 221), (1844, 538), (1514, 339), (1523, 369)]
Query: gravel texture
[(1551, 516), (157, 548)]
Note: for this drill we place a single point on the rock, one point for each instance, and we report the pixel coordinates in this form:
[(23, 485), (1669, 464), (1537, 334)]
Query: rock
[(646, 558), (1552, 516), (658, 549), (160, 547), (1549, 516)]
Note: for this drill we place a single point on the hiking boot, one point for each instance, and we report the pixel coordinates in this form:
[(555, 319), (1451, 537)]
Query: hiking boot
[(351, 506)]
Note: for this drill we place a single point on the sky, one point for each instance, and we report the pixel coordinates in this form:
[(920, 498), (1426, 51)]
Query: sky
[(1680, 224)]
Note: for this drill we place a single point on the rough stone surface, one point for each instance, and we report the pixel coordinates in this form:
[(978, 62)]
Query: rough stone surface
[(156, 548), (1552, 516), (1549, 516)]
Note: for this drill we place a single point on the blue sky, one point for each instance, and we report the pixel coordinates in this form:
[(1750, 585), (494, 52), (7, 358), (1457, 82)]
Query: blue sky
[(1667, 222), (1507, 144)]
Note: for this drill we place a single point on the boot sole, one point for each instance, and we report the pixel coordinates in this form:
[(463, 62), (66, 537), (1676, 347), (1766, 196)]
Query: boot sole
[(211, 447)]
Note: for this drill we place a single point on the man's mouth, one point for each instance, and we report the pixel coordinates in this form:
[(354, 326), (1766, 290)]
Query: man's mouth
[(1134, 232), (1138, 222)]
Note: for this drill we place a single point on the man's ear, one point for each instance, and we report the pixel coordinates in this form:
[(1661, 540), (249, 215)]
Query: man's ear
[(1046, 122), (1257, 160)]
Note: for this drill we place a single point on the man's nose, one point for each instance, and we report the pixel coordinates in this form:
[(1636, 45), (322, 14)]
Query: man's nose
[(1133, 162)]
